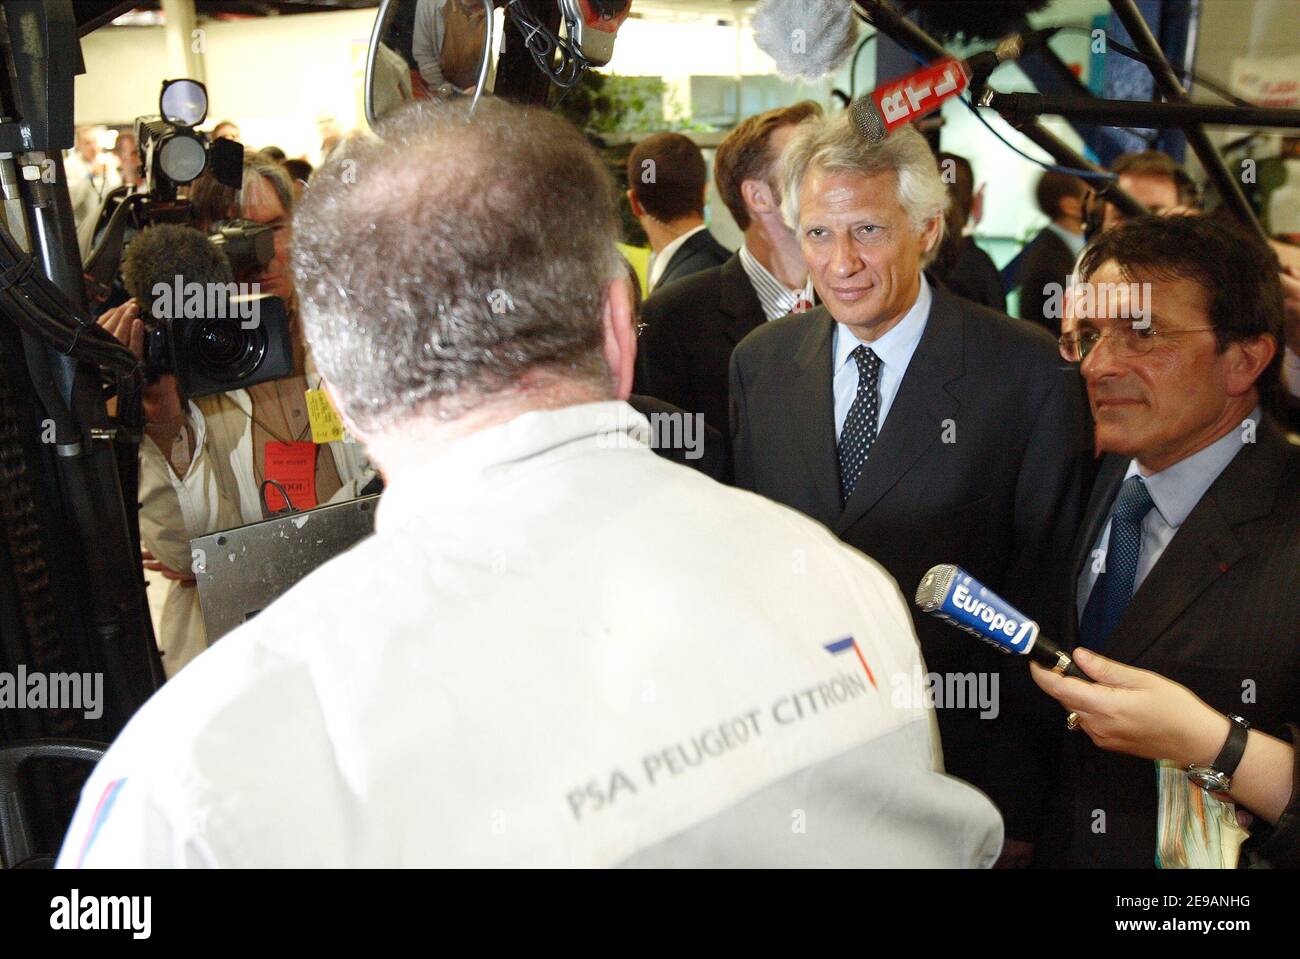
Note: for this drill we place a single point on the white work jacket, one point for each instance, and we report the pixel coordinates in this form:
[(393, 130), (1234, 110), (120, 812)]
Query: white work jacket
[(557, 649)]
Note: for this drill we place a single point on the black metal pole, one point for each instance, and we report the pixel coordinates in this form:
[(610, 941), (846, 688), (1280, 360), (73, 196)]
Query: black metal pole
[(1019, 106), (882, 15), (1169, 86), (116, 608), (41, 49)]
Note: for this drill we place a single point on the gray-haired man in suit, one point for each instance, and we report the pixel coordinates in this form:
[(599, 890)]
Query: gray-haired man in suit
[(921, 429)]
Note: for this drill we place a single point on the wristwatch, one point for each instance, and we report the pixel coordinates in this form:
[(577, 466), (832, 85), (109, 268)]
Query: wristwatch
[(1217, 777)]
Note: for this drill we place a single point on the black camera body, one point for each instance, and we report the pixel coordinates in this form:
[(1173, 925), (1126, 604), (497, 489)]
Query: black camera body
[(217, 341), (249, 246)]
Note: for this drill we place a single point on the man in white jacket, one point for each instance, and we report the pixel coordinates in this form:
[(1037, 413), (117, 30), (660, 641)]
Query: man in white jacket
[(557, 648)]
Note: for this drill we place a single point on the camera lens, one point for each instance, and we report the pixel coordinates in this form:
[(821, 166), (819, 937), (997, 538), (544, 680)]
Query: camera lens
[(226, 352)]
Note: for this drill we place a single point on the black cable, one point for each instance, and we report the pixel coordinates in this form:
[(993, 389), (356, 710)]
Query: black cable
[(266, 507), (543, 44), (40, 308), (853, 65)]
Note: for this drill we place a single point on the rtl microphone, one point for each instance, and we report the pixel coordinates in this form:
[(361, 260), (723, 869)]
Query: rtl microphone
[(911, 97), (906, 100), (954, 595)]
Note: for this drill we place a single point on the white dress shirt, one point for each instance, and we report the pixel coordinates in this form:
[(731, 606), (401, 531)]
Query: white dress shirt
[(557, 649), (895, 350), (662, 258)]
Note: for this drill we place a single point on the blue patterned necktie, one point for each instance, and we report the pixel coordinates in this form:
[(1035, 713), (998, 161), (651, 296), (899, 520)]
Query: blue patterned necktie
[(859, 431), (1114, 587)]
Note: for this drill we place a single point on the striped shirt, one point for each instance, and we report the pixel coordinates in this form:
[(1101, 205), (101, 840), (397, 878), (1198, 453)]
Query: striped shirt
[(776, 298)]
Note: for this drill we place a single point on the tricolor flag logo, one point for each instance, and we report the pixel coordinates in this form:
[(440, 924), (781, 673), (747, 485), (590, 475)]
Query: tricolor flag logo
[(102, 808), (847, 643)]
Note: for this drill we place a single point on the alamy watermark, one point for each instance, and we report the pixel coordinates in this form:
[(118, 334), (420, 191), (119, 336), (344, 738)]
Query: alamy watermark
[(676, 430), (75, 912), (37, 690), (918, 690), (1089, 301), (208, 301)]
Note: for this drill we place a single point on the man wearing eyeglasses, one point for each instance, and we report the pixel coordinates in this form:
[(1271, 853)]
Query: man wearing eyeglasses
[(1188, 562)]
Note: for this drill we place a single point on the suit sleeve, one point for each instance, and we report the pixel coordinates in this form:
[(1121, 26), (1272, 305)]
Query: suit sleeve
[(742, 453), (1052, 489), (1032, 281), (660, 365), (1035, 279)]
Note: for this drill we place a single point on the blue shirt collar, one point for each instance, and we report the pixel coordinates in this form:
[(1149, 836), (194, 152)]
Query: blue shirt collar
[(1177, 489), (1074, 241), (896, 347)]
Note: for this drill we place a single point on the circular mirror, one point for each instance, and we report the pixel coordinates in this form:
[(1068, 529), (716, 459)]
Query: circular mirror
[(183, 102), (427, 49)]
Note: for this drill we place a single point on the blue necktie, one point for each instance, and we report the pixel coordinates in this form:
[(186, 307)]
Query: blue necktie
[(859, 431), (1114, 587)]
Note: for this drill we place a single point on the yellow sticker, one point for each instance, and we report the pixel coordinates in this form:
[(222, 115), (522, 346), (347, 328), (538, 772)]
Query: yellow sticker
[(326, 425)]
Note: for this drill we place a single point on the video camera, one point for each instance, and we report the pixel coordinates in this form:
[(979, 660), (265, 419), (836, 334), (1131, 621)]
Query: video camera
[(215, 340), (212, 343), (174, 153), (248, 245)]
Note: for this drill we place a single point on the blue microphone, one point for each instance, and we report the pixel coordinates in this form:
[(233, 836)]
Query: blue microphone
[(957, 597)]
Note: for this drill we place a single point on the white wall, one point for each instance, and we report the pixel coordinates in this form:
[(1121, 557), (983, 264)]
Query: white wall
[(277, 77), (1233, 29)]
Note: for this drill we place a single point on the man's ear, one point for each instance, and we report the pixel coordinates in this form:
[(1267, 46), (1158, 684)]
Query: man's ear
[(758, 197), (1247, 359), (619, 335), (637, 209), (930, 235)]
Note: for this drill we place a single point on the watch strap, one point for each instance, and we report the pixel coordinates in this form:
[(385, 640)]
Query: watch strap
[(1230, 755)]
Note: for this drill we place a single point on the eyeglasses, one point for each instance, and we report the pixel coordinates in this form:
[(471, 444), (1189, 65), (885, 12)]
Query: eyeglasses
[(1126, 340)]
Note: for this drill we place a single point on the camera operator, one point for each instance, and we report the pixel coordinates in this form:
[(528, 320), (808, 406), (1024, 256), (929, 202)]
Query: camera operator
[(204, 461)]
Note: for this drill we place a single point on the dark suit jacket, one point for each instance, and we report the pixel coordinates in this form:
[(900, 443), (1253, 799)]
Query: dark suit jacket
[(691, 328), (698, 253), (974, 276), (1046, 260), (1002, 499), (712, 460), (1218, 613)]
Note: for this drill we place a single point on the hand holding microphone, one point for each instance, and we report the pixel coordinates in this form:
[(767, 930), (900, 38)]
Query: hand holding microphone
[(1138, 712)]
